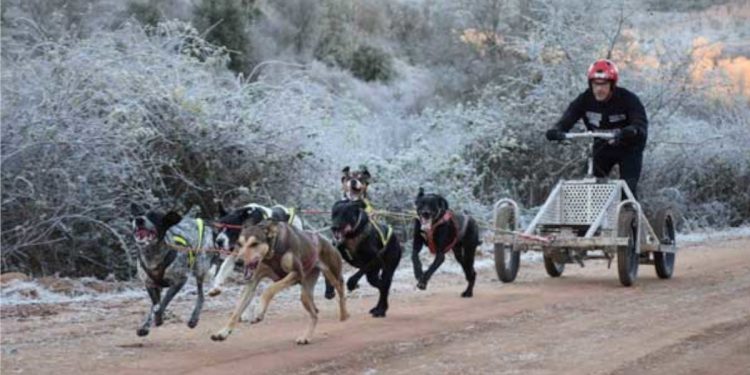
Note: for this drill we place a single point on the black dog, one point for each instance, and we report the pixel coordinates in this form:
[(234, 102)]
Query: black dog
[(442, 230), (368, 246)]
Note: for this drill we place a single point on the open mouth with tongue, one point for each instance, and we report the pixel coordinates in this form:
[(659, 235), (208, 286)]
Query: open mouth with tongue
[(144, 235), (250, 268)]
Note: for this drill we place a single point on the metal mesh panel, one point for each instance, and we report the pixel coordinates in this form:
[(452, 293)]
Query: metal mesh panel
[(580, 204)]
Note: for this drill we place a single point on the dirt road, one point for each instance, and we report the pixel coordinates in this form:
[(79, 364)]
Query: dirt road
[(582, 323)]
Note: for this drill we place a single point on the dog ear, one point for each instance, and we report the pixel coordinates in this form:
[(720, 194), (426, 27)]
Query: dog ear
[(420, 194), (171, 218), (345, 173), (443, 204), (135, 210), (271, 228), (365, 173)]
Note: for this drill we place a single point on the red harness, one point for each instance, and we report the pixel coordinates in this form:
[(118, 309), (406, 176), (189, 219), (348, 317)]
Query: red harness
[(448, 216)]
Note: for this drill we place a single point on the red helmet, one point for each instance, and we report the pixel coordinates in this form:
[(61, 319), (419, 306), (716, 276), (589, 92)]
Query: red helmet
[(603, 69)]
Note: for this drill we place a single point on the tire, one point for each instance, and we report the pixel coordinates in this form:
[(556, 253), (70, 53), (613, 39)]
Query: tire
[(507, 261), (553, 268), (627, 259), (664, 228)]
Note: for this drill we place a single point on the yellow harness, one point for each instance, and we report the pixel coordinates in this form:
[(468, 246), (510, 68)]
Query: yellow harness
[(183, 242), (383, 238)]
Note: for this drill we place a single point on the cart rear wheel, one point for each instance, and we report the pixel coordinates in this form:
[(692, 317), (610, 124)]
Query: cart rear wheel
[(507, 261), (664, 228), (627, 259), (553, 268)]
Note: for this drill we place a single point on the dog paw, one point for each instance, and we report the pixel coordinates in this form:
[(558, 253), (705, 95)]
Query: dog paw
[(256, 319), (377, 312), (158, 320), (142, 331), (221, 335), (467, 294), (214, 292), (302, 340), (352, 286), (192, 323), (421, 285), (330, 294), (344, 317)]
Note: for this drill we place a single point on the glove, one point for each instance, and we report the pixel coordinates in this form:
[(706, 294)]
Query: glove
[(555, 135), (617, 137)]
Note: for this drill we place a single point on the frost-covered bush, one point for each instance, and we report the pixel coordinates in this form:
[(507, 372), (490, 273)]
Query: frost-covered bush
[(121, 117), (94, 121)]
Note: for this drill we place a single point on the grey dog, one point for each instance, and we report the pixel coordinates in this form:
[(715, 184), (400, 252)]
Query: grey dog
[(164, 262)]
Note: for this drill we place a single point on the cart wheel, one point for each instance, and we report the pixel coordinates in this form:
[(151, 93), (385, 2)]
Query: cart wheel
[(664, 228), (553, 268), (627, 259), (507, 261)]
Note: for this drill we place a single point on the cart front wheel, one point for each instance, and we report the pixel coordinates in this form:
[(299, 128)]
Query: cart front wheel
[(664, 229), (627, 259), (507, 260), (553, 268)]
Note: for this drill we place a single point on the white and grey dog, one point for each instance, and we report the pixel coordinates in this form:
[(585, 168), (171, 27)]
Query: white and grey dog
[(160, 238), (229, 226)]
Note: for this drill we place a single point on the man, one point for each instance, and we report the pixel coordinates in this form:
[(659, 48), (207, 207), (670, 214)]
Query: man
[(607, 107)]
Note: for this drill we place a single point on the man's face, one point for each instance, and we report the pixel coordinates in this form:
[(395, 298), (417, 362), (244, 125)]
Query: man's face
[(602, 89)]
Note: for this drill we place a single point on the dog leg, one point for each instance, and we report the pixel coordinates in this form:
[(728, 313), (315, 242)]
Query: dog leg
[(417, 245), (338, 283), (198, 305), (330, 290), (247, 295), (439, 259), (466, 259), (353, 282), (306, 296), (226, 268), (290, 279), (171, 292), (374, 278), (386, 277), (155, 294)]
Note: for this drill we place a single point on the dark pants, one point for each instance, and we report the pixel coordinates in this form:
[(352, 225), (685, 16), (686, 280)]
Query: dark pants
[(630, 162)]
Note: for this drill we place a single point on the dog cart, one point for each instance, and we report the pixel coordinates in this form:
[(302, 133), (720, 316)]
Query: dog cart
[(583, 219)]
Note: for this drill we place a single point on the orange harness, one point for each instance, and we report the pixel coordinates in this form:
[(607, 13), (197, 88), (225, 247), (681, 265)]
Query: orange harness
[(448, 216)]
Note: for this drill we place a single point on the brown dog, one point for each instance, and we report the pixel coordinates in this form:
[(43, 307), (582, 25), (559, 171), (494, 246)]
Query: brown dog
[(288, 256)]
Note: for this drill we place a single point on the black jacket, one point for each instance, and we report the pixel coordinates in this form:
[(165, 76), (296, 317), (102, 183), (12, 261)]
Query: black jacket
[(622, 111)]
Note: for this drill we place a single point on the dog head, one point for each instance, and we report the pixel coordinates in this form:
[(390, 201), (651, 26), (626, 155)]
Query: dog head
[(430, 208), (149, 226), (346, 217), (354, 183), (226, 236), (256, 243)]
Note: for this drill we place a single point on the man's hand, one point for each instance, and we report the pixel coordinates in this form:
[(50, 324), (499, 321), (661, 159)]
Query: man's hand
[(555, 135), (617, 137)]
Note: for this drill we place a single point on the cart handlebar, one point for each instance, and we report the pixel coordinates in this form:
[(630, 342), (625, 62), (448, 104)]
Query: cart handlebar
[(602, 135)]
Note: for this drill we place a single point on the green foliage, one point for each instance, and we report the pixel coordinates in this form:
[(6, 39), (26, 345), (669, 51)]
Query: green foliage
[(146, 12), (336, 44), (371, 64), (682, 5), (225, 23)]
